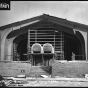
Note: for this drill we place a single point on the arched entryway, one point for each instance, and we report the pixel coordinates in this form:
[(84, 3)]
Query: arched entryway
[(22, 49), (64, 43), (72, 45)]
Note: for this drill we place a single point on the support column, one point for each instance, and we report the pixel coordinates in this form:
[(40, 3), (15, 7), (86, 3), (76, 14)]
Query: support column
[(0, 44), (3, 38), (42, 59), (9, 51), (85, 39), (85, 36), (87, 45), (28, 46), (15, 50)]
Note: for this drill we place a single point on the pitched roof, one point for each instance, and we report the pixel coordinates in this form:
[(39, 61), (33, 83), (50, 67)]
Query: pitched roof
[(53, 19)]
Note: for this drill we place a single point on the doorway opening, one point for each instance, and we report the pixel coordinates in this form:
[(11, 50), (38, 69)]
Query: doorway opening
[(64, 45)]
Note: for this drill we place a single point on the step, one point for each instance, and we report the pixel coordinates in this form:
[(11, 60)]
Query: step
[(40, 70)]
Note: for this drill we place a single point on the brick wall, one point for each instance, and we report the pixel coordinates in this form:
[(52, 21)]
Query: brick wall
[(69, 68)]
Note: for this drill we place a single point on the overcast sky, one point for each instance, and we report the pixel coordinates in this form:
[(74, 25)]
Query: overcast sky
[(76, 11)]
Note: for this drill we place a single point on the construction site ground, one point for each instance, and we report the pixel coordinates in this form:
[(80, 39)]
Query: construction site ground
[(46, 82)]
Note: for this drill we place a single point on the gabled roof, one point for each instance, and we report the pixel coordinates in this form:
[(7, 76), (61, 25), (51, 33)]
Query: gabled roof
[(53, 19)]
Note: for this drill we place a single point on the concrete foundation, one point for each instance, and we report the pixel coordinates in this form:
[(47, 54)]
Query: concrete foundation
[(72, 69), (14, 68), (69, 69)]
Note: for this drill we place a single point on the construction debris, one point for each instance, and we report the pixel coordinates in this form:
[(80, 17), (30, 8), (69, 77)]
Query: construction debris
[(44, 80), (45, 76)]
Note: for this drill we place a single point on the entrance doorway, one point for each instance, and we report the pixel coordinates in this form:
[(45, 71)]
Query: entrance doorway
[(72, 45), (64, 44)]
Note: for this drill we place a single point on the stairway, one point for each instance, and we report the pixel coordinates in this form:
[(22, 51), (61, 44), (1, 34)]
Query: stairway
[(40, 70)]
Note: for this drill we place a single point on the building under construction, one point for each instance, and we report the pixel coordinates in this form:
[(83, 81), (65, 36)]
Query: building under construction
[(44, 42)]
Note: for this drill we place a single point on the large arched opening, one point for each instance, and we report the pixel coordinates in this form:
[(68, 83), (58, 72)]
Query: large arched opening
[(20, 47), (64, 43), (73, 45)]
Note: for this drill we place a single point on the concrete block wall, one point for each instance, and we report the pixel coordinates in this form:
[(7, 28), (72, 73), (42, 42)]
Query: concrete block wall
[(14, 68), (71, 69)]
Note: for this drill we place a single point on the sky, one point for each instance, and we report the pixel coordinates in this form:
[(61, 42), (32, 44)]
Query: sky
[(76, 11)]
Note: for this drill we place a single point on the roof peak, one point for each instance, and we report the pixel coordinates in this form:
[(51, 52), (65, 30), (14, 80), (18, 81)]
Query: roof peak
[(46, 14), (43, 17)]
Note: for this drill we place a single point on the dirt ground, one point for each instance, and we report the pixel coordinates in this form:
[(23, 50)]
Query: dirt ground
[(52, 83), (47, 82)]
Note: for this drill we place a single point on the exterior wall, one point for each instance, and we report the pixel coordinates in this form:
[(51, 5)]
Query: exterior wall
[(14, 68), (72, 69)]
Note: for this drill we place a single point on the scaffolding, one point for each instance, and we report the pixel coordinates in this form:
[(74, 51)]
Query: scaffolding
[(47, 35)]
